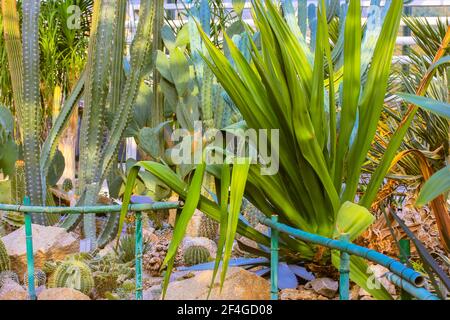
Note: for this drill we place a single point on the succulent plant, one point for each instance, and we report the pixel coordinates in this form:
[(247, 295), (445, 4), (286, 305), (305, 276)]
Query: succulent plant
[(73, 274), (18, 191), (251, 213), (67, 185), (8, 275), (40, 278), (126, 250), (105, 282), (196, 255), (154, 258), (208, 228), (50, 267), (5, 262)]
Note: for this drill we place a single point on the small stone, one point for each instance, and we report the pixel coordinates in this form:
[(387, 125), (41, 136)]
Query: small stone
[(324, 286)]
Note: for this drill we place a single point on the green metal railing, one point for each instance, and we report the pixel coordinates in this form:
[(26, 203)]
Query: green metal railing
[(27, 209), (410, 281)]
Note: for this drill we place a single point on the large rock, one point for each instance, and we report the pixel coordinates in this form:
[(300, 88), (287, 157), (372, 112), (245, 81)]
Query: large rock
[(11, 290), (48, 243), (200, 241), (239, 284), (62, 294)]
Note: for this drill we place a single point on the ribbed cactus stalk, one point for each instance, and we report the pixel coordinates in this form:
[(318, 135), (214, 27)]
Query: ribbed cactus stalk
[(18, 192), (73, 274), (31, 109), (195, 255), (5, 262), (100, 138), (18, 183)]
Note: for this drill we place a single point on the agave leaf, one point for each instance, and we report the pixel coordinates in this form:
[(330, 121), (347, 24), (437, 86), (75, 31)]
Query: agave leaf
[(351, 86), (225, 182), (238, 6), (438, 107), (237, 187), (352, 219), (438, 184)]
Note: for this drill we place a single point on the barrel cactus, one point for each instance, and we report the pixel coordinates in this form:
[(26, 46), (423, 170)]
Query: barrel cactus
[(73, 274), (18, 190), (195, 255), (5, 262), (67, 185), (50, 267), (208, 228), (8, 275)]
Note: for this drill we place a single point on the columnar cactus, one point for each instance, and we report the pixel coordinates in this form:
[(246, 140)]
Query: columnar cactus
[(5, 262), (103, 67), (73, 274)]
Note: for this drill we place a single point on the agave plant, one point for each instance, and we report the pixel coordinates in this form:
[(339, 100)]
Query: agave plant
[(326, 119)]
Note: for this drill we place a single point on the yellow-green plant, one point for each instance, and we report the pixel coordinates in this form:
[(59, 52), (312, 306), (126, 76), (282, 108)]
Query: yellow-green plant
[(326, 119)]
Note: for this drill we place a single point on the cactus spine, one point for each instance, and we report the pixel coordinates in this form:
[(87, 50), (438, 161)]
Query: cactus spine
[(195, 255), (5, 262), (73, 274)]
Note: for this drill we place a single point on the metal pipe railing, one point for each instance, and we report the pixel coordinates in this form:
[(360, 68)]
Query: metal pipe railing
[(27, 209), (402, 276)]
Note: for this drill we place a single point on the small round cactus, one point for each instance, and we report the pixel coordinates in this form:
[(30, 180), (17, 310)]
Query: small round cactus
[(8, 275), (195, 255), (67, 185), (40, 278), (5, 262), (208, 228), (73, 274)]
